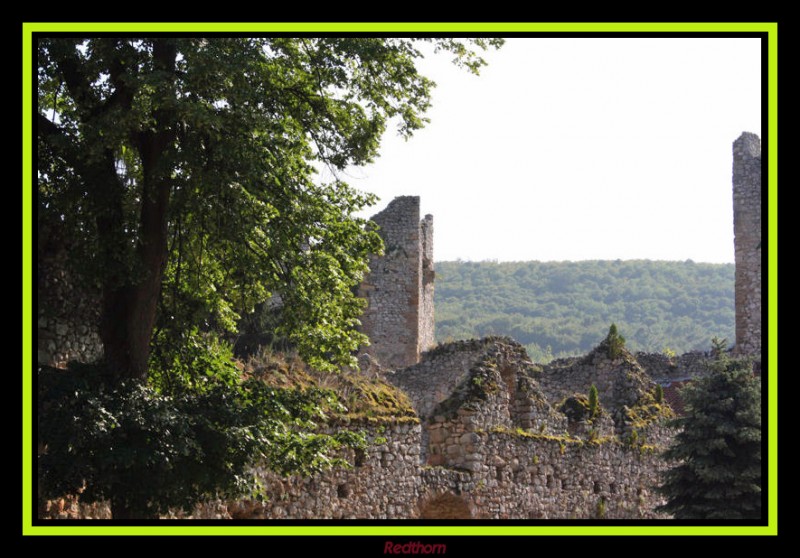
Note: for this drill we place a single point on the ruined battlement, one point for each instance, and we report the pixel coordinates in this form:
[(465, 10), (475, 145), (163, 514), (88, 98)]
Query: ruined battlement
[(399, 288), (498, 436), (747, 241), (490, 444)]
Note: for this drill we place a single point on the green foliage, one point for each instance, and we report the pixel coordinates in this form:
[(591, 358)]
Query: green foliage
[(659, 394), (197, 158), (718, 450), (594, 402), (719, 346), (576, 408), (600, 512), (181, 173), (556, 309), (190, 361), (363, 397), (648, 410), (614, 342), (146, 451)]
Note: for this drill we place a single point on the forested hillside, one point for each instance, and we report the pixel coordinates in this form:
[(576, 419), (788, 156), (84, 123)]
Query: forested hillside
[(565, 308)]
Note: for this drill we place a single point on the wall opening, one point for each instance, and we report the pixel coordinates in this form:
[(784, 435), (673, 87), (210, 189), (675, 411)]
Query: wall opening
[(360, 458), (445, 506), (509, 376)]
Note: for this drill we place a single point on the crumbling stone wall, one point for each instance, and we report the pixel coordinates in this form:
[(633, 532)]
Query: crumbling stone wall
[(399, 287), (439, 373), (547, 478), (663, 368), (480, 461), (427, 274), (67, 314), (619, 381), (384, 482), (747, 241), (524, 459)]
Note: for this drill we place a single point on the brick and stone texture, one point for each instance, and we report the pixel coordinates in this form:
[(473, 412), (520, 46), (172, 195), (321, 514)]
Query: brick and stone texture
[(399, 288), (67, 314), (426, 338), (664, 369), (495, 448), (747, 241)]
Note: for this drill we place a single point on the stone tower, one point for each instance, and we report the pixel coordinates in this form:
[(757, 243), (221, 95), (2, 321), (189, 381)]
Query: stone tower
[(747, 241), (399, 288)]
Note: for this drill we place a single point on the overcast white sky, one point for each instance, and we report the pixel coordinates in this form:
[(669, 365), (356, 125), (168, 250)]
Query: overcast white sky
[(572, 149)]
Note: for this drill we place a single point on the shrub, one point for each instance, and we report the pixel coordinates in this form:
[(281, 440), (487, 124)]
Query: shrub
[(146, 451), (658, 395), (594, 403), (614, 342), (718, 346)]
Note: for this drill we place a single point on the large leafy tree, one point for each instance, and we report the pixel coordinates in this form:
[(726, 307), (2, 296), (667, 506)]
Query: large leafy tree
[(183, 171), (718, 449)]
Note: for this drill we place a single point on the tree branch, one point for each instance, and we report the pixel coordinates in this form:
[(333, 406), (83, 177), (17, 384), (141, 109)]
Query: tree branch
[(45, 128), (123, 93), (66, 147), (71, 69)]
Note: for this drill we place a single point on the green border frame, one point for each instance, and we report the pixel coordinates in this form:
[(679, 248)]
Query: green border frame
[(93, 528)]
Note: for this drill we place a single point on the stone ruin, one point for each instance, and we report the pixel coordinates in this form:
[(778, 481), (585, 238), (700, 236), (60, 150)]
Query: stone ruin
[(399, 318), (399, 288), (496, 436), (747, 241), (491, 442)]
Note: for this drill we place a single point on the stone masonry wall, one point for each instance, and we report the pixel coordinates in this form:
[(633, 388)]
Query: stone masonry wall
[(473, 458), (384, 482), (518, 477), (747, 241), (439, 373), (539, 477), (485, 473), (538, 469), (67, 315), (661, 367), (549, 478), (619, 381), (427, 274), (399, 288)]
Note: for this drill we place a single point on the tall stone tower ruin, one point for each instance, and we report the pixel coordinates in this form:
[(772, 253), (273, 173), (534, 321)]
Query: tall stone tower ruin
[(399, 288), (747, 241)]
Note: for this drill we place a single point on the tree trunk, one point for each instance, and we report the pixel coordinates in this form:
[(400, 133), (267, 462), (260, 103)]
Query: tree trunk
[(130, 306), (129, 310), (127, 321)]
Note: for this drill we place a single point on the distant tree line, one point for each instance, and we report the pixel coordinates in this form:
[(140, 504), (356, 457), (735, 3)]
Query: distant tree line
[(563, 308)]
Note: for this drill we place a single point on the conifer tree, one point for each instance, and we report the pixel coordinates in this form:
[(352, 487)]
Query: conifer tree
[(717, 472)]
